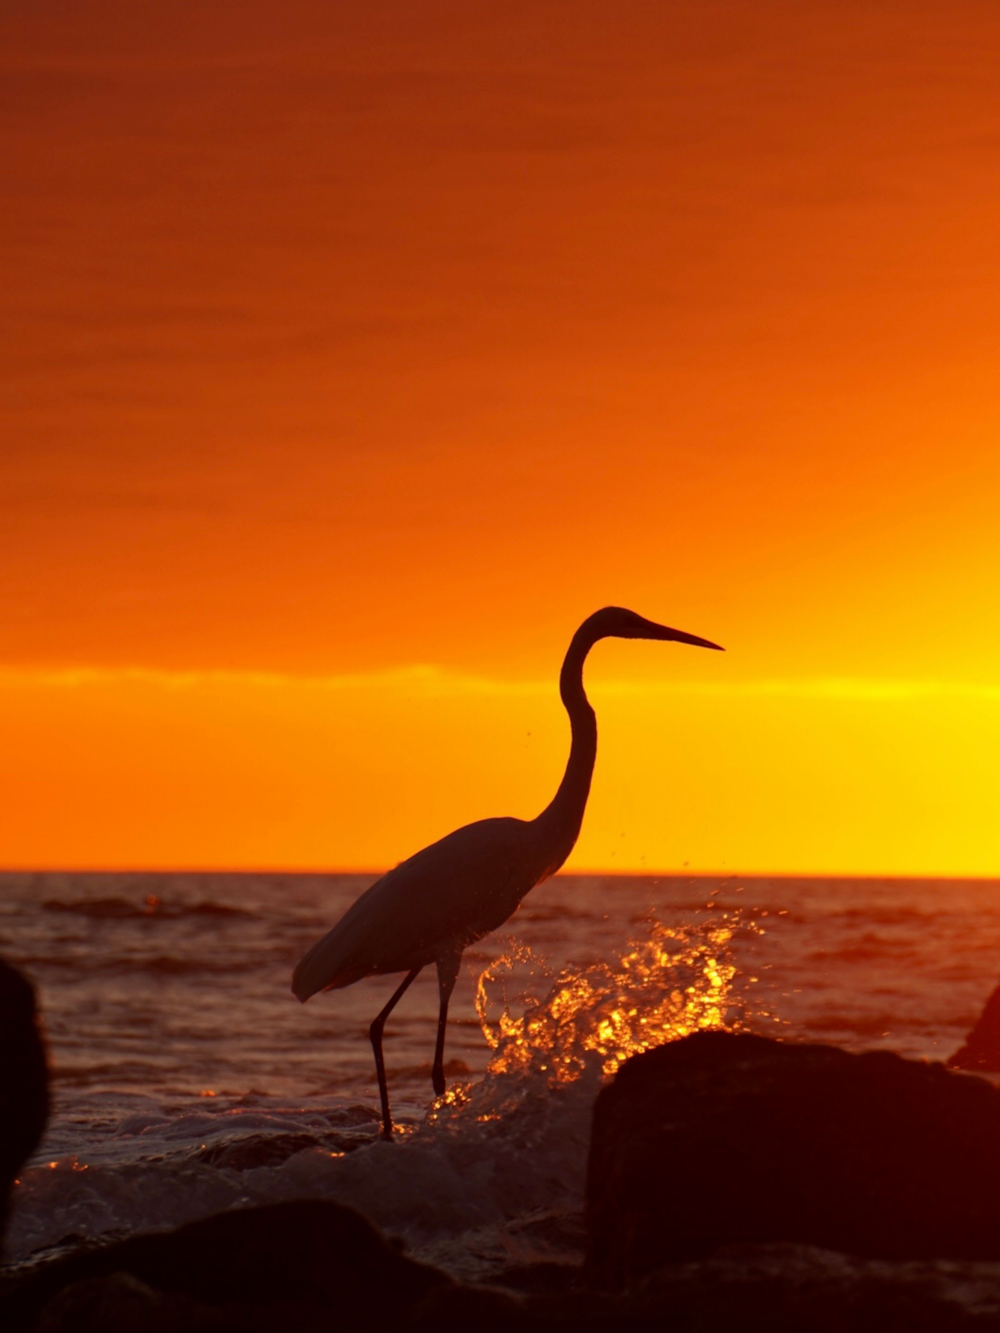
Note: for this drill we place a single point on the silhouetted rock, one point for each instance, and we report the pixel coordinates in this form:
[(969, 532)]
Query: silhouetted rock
[(729, 1137), (800, 1289), (313, 1267), (24, 1101), (982, 1045), (120, 1303), (253, 1150), (280, 1266)]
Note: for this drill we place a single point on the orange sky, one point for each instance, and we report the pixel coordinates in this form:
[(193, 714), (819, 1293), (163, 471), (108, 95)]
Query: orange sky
[(353, 353)]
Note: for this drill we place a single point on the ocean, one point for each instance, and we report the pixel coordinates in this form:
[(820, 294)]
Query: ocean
[(187, 1079)]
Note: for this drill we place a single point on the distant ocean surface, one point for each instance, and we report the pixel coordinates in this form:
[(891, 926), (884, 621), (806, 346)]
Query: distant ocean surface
[(187, 1078)]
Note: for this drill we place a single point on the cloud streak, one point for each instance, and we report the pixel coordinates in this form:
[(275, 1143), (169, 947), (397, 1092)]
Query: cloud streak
[(427, 679)]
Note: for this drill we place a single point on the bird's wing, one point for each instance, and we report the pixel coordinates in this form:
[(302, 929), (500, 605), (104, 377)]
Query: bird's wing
[(437, 901)]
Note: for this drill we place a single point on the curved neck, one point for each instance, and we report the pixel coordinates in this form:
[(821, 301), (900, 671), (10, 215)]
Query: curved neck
[(563, 816)]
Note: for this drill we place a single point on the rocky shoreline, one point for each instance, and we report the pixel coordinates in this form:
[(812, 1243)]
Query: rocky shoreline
[(311, 1266), (734, 1183)]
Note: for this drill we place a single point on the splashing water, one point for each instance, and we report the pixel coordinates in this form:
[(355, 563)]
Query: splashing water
[(589, 1020), (671, 983)]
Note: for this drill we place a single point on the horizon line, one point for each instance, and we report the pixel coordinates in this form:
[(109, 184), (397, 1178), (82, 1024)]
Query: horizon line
[(578, 873)]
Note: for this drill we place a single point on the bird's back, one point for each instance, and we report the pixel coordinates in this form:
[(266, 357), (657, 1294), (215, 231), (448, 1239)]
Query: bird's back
[(439, 900)]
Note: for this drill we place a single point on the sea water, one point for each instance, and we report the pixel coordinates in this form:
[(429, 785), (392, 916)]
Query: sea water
[(187, 1078)]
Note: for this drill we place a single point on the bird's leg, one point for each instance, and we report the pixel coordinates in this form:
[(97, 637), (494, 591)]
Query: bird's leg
[(375, 1032), (447, 976)]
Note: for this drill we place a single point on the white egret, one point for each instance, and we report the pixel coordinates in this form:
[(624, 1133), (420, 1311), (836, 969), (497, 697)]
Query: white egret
[(439, 901)]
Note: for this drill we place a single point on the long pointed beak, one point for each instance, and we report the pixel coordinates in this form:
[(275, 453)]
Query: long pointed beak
[(679, 636)]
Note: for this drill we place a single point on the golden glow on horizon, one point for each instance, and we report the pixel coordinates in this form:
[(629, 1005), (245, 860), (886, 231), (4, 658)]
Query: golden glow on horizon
[(249, 769)]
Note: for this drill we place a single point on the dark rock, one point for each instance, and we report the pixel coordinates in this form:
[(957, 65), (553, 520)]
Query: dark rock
[(117, 1303), (253, 1150), (799, 1289), (727, 1137), (539, 1279), (315, 1268), (458, 1306), (24, 1100), (982, 1045), (271, 1267)]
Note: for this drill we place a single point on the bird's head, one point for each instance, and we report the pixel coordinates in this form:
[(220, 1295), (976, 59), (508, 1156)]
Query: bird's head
[(615, 622)]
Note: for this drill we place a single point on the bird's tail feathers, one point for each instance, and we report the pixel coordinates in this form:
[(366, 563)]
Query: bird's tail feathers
[(320, 970)]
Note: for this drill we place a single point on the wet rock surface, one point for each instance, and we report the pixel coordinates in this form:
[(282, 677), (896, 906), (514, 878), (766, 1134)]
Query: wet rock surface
[(802, 1289), (725, 1137), (315, 1266), (24, 1101), (751, 1288), (286, 1262), (981, 1048)]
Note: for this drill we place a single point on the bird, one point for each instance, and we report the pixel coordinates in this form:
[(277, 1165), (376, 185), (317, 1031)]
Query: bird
[(432, 906)]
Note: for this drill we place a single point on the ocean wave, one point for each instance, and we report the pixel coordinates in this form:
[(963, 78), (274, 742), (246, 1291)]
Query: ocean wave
[(434, 1186), (179, 965), (871, 948), (542, 911), (863, 1025), (105, 965), (152, 907), (885, 916), (86, 1074)]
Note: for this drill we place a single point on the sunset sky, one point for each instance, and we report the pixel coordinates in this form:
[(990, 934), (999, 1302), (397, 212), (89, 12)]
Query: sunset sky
[(354, 352)]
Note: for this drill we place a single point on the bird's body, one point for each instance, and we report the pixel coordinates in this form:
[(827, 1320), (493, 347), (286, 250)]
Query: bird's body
[(436, 902), (439, 901)]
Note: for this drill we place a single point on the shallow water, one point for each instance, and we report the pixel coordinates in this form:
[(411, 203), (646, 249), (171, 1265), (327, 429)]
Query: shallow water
[(187, 1078)]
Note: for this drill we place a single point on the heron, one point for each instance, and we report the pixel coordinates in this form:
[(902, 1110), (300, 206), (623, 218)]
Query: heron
[(433, 905)]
